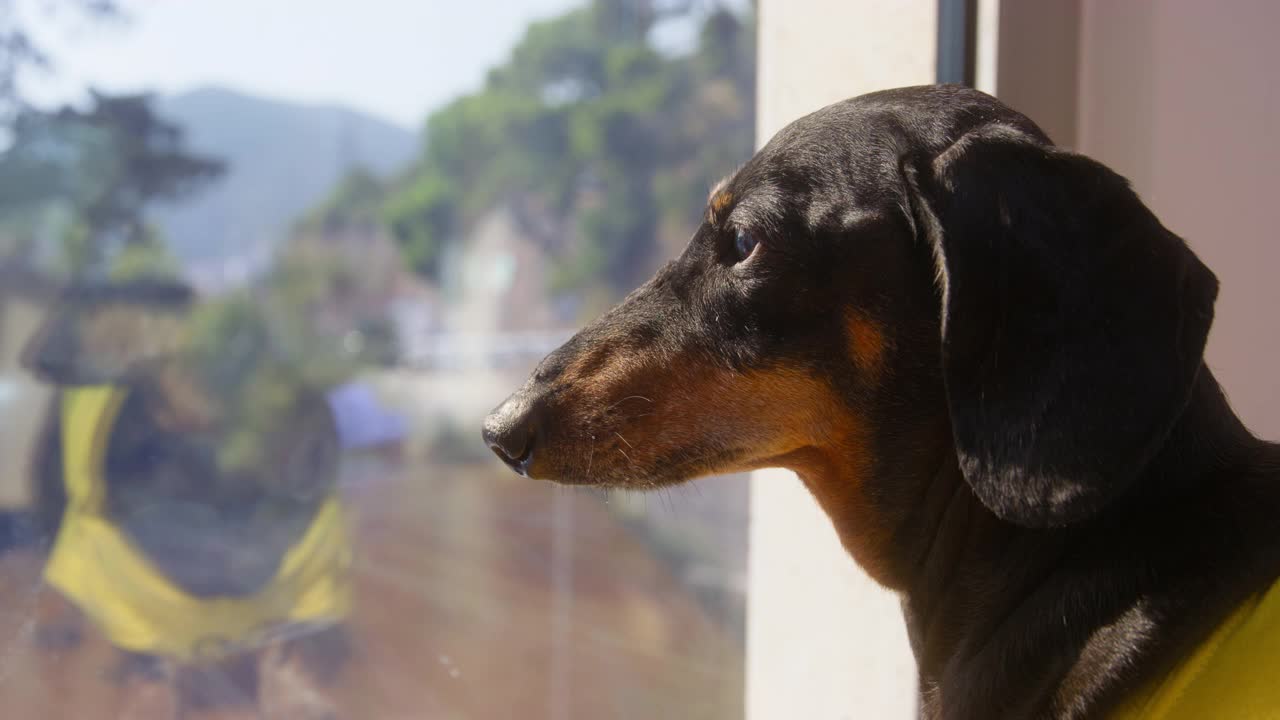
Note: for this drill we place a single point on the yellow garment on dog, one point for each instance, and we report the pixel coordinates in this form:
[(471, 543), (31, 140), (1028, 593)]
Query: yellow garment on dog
[(1232, 674), (95, 565)]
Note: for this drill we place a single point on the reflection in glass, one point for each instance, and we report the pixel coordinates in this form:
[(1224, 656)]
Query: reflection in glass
[(246, 341)]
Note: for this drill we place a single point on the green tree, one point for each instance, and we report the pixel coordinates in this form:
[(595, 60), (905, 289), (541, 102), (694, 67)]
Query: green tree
[(148, 259), (101, 166), (596, 141), (106, 166), (20, 52), (141, 161)]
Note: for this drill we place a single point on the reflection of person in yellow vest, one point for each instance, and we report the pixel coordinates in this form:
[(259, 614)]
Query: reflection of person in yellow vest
[(139, 607)]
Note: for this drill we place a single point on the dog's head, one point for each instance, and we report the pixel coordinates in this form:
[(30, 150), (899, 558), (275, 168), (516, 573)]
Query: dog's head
[(904, 274), (95, 332)]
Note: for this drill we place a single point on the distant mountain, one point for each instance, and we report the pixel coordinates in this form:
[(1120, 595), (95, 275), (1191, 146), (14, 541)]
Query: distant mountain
[(282, 159)]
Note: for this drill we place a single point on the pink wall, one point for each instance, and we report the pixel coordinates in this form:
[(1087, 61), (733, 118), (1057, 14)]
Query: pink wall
[(1183, 97)]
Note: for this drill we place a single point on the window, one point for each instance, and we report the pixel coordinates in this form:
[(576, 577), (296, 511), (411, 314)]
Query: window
[(265, 267)]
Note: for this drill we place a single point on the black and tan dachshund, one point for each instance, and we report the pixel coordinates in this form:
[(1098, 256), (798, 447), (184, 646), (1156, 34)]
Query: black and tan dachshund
[(983, 355)]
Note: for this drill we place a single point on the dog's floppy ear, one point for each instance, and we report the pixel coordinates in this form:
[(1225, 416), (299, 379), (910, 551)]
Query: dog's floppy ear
[(1073, 322)]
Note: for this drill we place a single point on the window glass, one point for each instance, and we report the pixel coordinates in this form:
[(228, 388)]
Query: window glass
[(264, 268)]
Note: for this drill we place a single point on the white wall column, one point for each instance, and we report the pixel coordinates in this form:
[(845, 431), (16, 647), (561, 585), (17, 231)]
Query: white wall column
[(824, 641)]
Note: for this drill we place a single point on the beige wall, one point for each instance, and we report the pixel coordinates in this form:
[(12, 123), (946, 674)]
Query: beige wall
[(825, 642), (1037, 66), (1182, 97)]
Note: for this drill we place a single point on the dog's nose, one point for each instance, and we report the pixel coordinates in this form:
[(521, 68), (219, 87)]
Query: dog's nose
[(511, 432)]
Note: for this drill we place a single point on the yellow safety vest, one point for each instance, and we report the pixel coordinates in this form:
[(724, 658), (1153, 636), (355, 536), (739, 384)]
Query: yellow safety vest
[(1235, 673), (96, 566)]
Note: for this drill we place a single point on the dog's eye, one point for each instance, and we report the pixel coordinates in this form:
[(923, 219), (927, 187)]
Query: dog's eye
[(744, 244)]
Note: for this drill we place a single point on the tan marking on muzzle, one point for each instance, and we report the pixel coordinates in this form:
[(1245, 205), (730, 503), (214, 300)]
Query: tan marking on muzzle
[(779, 417)]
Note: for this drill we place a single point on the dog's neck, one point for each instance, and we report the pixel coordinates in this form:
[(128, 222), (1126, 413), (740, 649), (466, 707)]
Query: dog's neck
[(973, 585)]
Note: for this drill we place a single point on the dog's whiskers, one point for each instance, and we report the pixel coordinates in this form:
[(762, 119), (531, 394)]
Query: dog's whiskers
[(665, 493), (629, 397)]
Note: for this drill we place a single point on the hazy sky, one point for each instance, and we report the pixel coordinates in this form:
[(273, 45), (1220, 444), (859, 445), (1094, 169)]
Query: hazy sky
[(394, 58)]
